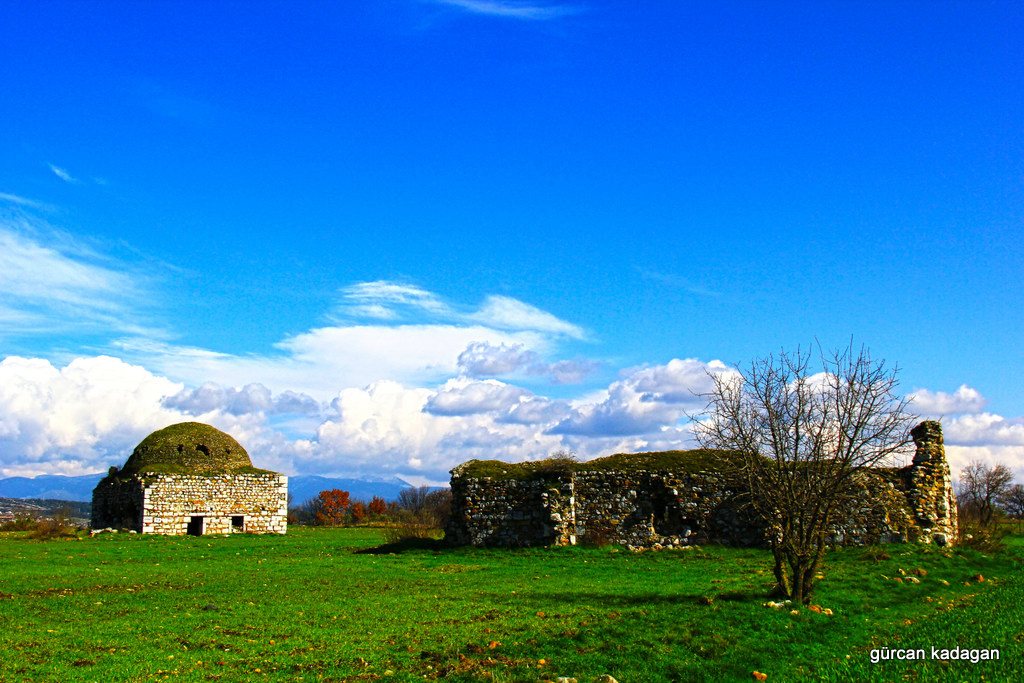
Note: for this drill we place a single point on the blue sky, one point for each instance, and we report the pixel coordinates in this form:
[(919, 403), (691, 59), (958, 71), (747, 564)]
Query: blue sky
[(381, 238)]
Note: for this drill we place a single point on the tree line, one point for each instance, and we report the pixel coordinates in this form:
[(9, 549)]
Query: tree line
[(418, 506)]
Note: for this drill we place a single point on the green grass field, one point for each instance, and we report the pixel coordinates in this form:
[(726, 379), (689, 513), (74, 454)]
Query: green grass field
[(309, 607)]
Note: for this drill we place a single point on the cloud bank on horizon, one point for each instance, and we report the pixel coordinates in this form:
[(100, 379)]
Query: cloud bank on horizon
[(403, 382)]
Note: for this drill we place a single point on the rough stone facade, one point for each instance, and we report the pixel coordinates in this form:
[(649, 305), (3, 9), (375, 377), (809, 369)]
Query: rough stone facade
[(176, 504), (929, 486), (686, 505), (190, 478)]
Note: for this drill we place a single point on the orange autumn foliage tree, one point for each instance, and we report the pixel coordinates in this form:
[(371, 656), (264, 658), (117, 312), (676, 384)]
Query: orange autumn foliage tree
[(377, 506), (333, 505), (358, 512)]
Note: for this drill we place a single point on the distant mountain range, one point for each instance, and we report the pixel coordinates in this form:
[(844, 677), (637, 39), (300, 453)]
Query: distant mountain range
[(53, 486), (301, 488)]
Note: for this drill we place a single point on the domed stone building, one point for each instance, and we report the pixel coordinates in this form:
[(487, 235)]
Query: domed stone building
[(190, 478)]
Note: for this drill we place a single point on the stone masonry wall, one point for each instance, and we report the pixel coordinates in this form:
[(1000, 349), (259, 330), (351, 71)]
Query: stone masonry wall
[(167, 503), (648, 508), (117, 503)]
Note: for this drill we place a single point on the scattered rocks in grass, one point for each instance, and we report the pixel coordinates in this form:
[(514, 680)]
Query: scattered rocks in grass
[(944, 582), (758, 676), (605, 679), (920, 572), (775, 605), (977, 578), (912, 579)]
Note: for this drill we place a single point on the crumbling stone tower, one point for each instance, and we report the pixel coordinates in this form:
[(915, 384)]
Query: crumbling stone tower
[(930, 487), (190, 478)]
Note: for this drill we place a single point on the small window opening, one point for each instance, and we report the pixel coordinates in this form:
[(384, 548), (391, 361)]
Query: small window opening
[(195, 526), (238, 523)]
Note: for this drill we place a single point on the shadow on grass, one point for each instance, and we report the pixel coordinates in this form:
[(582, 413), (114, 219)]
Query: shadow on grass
[(404, 545)]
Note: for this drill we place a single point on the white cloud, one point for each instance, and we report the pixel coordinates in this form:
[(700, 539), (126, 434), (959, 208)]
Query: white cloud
[(1010, 456), (322, 360), (379, 298), (963, 400), (467, 397), (481, 359), (45, 287), (386, 428), (506, 313), (570, 371), (983, 429), (91, 414), (62, 174), (645, 401), (536, 410), (509, 9), (21, 201), (388, 300), (376, 311), (252, 398), (85, 416)]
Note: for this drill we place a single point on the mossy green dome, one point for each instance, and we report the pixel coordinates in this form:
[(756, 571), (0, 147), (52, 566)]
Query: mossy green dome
[(188, 448)]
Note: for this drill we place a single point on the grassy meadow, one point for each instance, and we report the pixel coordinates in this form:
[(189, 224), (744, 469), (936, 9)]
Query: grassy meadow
[(322, 604)]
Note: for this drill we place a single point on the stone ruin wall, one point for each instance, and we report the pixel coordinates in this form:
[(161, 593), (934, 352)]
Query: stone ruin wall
[(654, 509), (165, 503)]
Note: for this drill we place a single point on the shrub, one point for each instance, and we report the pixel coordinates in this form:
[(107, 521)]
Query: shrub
[(22, 522), (59, 526), (986, 539), (404, 531), (560, 464)]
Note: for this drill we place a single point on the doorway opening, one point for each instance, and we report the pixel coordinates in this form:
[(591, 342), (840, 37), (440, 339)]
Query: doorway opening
[(195, 526)]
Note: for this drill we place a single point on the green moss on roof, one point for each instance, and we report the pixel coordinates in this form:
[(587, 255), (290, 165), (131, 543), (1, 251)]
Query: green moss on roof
[(189, 448), (665, 461)]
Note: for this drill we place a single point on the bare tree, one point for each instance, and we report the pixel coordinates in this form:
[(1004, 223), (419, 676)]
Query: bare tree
[(1012, 503), (800, 439), (981, 487), (426, 505)]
